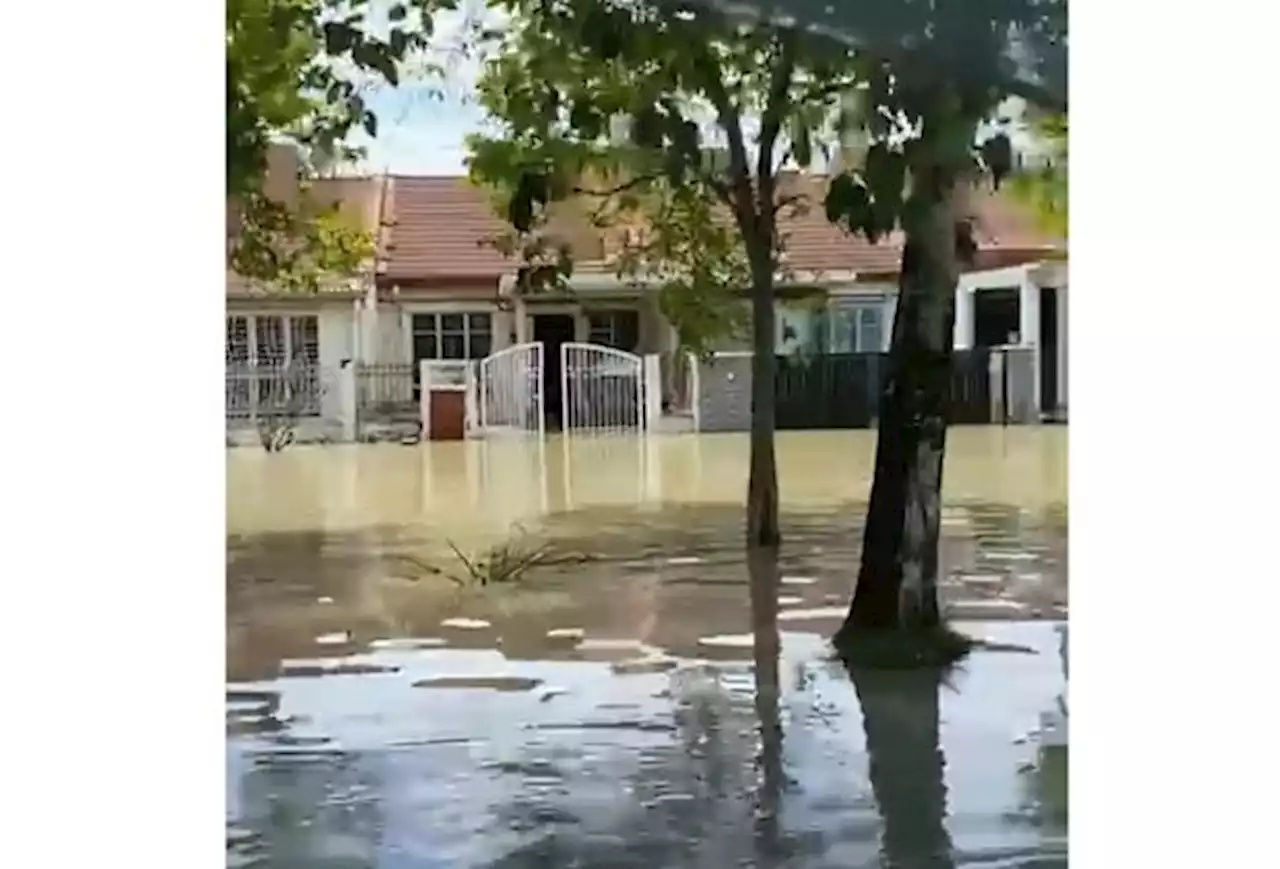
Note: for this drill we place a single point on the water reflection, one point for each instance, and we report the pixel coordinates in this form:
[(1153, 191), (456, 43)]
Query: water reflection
[(665, 706), (906, 764), (474, 488), (679, 766), (765, 582)]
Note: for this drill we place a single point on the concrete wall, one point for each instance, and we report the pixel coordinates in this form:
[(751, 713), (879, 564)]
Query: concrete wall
[(724, 393)]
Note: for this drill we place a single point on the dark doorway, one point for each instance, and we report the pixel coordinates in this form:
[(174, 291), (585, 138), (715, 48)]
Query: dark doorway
[(995, 316), (1048, 350), (552, 330)]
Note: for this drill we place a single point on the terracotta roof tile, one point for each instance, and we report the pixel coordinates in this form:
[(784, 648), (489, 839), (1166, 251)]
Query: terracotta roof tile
[(439, 224)]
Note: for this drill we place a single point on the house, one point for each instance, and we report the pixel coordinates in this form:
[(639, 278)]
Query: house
[(440, 294), (283, 350)]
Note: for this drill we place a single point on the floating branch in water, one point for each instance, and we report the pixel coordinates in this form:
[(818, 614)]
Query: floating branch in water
[(510, 560)]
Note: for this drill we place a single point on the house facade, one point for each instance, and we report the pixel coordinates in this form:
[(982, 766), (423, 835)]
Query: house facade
[(439, 294)]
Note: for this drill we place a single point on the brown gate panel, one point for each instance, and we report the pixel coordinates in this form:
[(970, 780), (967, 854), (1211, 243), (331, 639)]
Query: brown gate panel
[(448, 415)]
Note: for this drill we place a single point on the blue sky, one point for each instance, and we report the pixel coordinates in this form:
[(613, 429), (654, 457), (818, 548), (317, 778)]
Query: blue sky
[(422, 124), (420, 129), (420, 134)]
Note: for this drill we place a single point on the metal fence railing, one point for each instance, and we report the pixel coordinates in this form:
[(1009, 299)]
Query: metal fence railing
[(385, 384), (386, 389), (291, 390), (843, 390)]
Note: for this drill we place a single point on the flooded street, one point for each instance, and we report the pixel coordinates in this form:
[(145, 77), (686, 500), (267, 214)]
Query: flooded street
[(629, 705)]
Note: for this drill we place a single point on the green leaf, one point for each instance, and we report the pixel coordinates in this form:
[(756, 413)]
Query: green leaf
[(997, 157), (398, 12), (399, 43), (339, 38), (370, 124), (848, 204)]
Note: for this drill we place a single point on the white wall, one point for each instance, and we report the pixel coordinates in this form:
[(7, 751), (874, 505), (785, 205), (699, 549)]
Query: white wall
[(338, 324), (392, 343)]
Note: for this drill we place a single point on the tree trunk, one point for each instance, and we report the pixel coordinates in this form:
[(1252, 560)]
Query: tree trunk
[(762, 483), (907, 767), (898, 577)]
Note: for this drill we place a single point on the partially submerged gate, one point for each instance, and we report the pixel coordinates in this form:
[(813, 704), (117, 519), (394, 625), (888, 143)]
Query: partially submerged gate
[(601, 389), (509, 396)]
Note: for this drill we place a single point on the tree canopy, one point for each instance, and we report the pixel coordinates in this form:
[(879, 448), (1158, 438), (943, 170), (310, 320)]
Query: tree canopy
[(295, 73), (668, 111), (715, 105), (1043, 184)]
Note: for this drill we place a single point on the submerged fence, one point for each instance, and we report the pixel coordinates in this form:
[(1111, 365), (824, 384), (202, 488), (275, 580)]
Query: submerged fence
[(843, 390), (388, 399), (256, 391), (341, 403)]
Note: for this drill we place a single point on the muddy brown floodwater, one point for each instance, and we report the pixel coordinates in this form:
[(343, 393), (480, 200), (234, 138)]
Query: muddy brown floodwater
[(632, 710)]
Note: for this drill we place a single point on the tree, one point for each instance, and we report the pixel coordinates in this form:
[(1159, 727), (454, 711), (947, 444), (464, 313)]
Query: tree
[(294, 73), (693, 87), (938, 81), (1044, 186)]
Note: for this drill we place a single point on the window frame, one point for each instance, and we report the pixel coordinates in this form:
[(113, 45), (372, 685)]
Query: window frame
[(288, 332), (848, 315), (610, 318), (431, 324), (256, 392)]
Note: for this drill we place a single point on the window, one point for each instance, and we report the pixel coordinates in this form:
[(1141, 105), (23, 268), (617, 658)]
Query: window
[(238, 385), (858, 327), (237, 340), (262, 351), (451, 336), (273, 339), (870, 329), (617, 329)]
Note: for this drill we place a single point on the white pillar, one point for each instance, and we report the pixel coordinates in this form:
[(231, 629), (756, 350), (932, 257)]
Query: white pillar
[(963, 337), (1028, 313), (424, 396), (652, 372), (695, 391), (995, 381), (1029, 328), (346, 394), (471, 401)]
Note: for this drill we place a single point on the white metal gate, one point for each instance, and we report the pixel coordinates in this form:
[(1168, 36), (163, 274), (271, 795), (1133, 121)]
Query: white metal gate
[(601, 389), (509, 388)]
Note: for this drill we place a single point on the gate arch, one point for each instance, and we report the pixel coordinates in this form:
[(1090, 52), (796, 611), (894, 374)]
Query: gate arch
[(601, 389), (509, 394)]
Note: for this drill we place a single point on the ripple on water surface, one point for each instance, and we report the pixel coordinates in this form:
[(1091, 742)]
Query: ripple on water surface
[(463, 758), (608, 716)]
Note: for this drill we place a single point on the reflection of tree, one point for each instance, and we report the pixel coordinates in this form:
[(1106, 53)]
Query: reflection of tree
[(900, 716), (319, 811), (709, 766), (766, 648)]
